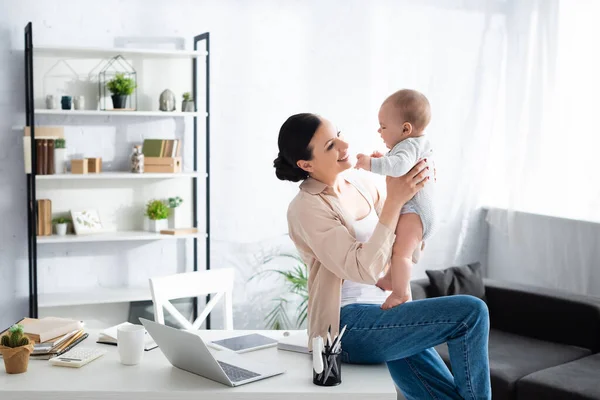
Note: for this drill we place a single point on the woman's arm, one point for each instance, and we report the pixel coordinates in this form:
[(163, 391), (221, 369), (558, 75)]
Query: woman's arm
[(316, 229)]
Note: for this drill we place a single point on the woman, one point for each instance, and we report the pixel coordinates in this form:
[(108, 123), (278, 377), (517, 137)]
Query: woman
[(344, 230)]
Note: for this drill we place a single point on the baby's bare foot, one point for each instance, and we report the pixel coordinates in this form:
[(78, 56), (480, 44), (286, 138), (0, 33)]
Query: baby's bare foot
[(394, 300), (385, 282)]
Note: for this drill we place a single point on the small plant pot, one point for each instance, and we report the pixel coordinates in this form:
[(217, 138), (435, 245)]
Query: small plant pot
[(119, 101), (173, 217), (187, 106), (16, 360), (61, 229), (156, 225), (60, 161)]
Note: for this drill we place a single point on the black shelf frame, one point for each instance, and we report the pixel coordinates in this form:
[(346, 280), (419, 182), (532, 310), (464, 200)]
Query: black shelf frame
[(31, 177)]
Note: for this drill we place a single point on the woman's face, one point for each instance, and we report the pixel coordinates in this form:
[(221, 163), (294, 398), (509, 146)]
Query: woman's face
[(330, 153)]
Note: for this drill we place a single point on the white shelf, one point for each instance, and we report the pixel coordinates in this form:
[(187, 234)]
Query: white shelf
[(94, 296), (118, 236), (95, 52), (117, 175), (111, 113)]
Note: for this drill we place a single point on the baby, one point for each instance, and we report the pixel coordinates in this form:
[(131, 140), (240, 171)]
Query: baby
[(403, 117)]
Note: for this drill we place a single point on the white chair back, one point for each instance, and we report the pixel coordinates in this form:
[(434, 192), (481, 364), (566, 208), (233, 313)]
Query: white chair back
[(194, 284)]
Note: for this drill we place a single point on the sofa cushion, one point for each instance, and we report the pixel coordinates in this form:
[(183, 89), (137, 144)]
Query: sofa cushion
[(513, 357), (577, 380), (457, 280)]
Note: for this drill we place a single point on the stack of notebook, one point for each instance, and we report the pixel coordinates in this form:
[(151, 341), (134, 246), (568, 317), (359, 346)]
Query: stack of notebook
[(52, 336)]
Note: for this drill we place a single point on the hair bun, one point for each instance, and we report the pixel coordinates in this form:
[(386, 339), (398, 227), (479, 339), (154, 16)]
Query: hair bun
[(288, 172)]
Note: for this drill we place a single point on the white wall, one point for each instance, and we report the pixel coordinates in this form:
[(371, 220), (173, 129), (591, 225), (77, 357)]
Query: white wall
[(270, 59)]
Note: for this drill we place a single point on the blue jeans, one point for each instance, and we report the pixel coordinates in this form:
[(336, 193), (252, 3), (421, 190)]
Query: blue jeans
[(404, 337)]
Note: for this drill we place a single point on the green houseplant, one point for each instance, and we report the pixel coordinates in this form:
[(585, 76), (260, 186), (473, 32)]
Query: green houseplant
[(296, 283), (15, 348), (174, 203), (121, 87), (187, 105), (157, 212), (61, 224)]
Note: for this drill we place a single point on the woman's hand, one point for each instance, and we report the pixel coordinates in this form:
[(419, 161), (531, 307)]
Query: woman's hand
[(403, 188)]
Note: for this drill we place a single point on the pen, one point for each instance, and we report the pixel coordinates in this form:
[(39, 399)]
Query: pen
[(337, 341)]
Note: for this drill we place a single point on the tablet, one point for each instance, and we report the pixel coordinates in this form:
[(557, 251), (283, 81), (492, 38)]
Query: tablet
[(244, 343)]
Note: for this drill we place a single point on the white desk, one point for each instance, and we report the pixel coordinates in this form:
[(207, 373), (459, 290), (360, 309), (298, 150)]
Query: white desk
[(155, 378)]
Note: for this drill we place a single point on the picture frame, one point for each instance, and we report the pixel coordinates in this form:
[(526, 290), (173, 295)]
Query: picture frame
[(86, 222)]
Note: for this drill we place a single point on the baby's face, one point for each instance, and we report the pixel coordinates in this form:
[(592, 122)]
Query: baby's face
[(390, 125)]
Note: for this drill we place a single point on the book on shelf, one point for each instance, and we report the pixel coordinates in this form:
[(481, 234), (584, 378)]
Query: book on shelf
[(44, 142), (109, 336), (44, 217), (162, 148)]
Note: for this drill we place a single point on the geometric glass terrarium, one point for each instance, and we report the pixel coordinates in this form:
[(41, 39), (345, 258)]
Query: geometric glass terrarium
[(117, 83)]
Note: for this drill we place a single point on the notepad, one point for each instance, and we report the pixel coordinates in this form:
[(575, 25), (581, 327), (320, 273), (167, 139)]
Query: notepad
[(297, 342), (109, 336)]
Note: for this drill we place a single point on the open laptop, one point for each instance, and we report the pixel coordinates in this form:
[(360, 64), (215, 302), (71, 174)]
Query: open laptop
[(186, 350)]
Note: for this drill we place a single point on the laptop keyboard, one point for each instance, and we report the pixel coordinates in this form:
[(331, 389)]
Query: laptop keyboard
[(236, 374)]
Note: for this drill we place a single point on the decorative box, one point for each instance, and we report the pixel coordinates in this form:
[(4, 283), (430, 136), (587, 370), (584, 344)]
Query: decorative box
[(162, 164), (79, 166), (94, 165)]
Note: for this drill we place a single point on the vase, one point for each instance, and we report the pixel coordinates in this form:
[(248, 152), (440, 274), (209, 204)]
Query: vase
[(187, 106), (119, 101), (61, 229), (51, 102), (157, 225), (166, 101), (137, 160), (16, 360), (66, 102), (79, 102), (173, 217), (60, 161)]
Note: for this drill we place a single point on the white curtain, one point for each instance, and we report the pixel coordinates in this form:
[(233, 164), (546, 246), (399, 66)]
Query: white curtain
[(544, 187)]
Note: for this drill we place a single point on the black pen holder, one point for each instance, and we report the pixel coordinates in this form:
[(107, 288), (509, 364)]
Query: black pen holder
[(332, 370)]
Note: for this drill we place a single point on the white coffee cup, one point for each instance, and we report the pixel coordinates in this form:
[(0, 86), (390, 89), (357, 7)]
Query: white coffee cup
[(130, 342)]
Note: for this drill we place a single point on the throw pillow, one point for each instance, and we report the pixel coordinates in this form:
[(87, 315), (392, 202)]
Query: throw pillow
[(457, 280)]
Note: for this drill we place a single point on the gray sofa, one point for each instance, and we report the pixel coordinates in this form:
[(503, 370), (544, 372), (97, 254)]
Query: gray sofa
[(544, 344)]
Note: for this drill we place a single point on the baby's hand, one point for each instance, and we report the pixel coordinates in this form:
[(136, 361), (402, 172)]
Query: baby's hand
[(363, 161), (376, 154)]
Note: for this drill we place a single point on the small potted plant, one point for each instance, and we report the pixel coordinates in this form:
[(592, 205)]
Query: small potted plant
[(187, 105), (60, 156), (61, 224), (157, 212), (15, 348), (173, 203), (120, 87)]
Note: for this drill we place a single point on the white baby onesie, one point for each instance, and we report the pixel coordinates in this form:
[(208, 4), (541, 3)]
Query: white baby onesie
[(397, 162)]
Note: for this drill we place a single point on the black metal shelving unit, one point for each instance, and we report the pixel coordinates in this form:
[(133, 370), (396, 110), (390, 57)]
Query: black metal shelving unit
[(31, 177)]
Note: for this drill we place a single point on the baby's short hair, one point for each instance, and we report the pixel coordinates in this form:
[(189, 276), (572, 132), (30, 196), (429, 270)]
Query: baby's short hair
[(413, 106)]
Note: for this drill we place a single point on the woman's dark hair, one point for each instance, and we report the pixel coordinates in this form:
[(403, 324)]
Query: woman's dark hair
[(294, 136)]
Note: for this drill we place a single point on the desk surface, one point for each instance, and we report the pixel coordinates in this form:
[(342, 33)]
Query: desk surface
[(156, 378)]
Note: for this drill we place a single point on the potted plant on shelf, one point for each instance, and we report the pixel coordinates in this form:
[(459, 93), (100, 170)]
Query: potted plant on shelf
[(15, 348), (173, 203), (61, 224), (60, 156), (187, 105), (120, 87), (157, 212)]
